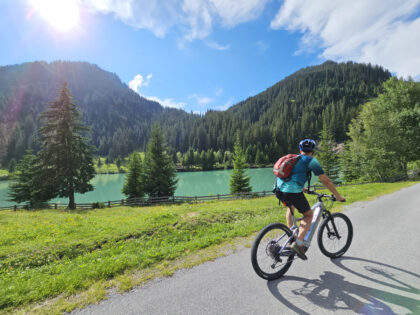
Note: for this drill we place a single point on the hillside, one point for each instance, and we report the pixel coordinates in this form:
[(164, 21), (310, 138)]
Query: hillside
[(271, 122), (294, 108), (108, 105)]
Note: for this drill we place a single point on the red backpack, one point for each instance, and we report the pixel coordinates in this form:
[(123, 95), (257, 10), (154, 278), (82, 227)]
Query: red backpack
[(284, 166)]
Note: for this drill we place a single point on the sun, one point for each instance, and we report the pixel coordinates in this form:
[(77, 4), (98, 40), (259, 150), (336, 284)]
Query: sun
[(61, 14)]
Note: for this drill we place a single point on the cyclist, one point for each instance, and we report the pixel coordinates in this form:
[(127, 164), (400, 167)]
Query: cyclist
[(291, 192)]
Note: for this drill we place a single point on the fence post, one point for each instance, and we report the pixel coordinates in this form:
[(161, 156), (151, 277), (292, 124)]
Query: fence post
[(218, 197), (264, 193), (109, 204), (122, 202), (55, 206), (173, 198), (14, 208)]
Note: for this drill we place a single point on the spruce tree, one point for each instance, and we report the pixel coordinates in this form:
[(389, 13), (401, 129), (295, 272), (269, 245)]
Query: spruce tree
[(133, 186), (12, 165), (118, 162), (65, 158), (159, 169), (27, 185), (239, 180), (327, 156)]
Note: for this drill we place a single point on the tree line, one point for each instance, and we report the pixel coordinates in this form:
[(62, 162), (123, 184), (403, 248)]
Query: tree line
[(121, 121), (382, 139), (64, 164)]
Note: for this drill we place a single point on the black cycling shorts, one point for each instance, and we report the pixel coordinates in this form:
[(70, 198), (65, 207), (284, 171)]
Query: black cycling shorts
[(298, 200)]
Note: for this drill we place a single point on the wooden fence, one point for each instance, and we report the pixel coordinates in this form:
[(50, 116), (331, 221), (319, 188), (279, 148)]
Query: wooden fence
[(140, 202)]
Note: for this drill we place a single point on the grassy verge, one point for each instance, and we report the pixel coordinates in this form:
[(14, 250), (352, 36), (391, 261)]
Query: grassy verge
[(71, 258), (4, 174)]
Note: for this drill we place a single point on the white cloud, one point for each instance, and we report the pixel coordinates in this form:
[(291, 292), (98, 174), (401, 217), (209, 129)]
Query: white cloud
[(195, 18), (219, 91), (201, 100), (139, 81), (217, 46), (376, 31), (167, 102), (261, 45)]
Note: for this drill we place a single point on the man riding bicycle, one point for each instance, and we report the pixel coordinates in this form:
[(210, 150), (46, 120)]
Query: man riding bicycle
[(291, 191)]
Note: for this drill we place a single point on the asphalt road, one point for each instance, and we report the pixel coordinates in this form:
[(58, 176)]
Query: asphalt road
[(379, 274)]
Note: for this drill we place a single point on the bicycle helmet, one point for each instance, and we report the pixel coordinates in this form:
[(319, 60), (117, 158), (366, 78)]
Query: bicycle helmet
[(307, 145)]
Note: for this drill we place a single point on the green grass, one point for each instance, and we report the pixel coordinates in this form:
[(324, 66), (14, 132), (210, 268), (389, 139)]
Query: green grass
[(55, 253), (110, 168), (4, 174)]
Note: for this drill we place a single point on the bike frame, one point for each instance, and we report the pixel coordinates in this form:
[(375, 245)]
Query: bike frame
[(319, 212)]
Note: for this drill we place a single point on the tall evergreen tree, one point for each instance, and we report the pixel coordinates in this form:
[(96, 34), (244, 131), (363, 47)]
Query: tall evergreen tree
[(65, 158), (27, 185), (239, 180), (133, 186), (159, 169), (12, 165), (328, 156)]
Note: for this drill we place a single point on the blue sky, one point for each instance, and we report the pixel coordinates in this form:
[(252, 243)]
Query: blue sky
[(210, 54)]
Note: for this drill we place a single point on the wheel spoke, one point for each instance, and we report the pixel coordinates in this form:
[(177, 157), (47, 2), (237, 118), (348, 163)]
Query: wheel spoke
[(269, 260), (335, 235)]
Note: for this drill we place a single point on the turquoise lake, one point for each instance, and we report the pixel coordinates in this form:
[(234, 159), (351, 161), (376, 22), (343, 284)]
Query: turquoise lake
[(108, 186)]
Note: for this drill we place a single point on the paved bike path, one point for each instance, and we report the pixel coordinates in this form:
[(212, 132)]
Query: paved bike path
[(379, 274)]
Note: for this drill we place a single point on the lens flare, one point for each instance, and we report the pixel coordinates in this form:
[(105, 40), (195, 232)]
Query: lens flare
[(61, 14)]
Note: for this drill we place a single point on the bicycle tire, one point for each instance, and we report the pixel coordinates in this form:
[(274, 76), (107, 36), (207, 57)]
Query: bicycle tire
[(259, 247), (327, 236)]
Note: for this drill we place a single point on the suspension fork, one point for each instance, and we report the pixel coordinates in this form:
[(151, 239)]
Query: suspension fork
[(327, 215)]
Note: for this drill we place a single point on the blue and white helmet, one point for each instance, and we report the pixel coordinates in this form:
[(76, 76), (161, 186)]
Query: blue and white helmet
[(307, 145)]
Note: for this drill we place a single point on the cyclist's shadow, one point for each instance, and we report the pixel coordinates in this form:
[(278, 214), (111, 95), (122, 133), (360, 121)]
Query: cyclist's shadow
[(332, 292)]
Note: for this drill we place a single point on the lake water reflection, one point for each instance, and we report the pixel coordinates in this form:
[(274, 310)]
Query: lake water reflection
[(108, 186)]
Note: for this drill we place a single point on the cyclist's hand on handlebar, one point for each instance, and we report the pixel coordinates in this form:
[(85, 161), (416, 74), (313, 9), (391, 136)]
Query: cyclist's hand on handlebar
[(340, 198), (305, 190)]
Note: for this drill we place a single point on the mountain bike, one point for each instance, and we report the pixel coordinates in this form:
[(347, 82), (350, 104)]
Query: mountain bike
[(271, 255)]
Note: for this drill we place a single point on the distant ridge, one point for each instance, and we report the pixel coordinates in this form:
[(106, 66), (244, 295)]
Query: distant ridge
[(121, 120)]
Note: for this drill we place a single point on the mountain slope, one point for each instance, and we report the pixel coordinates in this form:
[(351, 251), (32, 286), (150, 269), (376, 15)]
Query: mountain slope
[(294, 108), (108, 105), (271, 122)]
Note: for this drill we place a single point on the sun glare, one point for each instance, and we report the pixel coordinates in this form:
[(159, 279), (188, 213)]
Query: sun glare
[(62, 14)]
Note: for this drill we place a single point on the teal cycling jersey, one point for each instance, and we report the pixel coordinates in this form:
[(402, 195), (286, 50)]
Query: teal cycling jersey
[(299, 174)]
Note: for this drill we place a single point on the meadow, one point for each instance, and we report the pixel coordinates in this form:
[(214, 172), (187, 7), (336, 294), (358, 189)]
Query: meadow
[(55, 255)]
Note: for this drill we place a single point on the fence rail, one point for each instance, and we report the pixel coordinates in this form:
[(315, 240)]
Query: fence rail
[(145, 201), (173, 199)]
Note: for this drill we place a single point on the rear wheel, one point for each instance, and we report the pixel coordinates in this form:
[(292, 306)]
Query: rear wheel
[(335, 235), (268, 261)]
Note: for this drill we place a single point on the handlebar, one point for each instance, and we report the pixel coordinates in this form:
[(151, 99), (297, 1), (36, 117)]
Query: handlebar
[(320, 196)]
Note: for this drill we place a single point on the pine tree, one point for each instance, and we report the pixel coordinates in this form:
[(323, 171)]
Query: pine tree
[(159, 169), (133, 186), (12, 165), (118, 162), (66, 158), (327, 156), (239, 181), (27, 185)]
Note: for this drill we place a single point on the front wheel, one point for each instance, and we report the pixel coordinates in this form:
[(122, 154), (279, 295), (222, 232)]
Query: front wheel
[(335, 235), (268, 259)]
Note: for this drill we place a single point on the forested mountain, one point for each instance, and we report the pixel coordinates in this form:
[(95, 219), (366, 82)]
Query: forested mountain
[(120, 118), (275, 120), (271, 122)]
